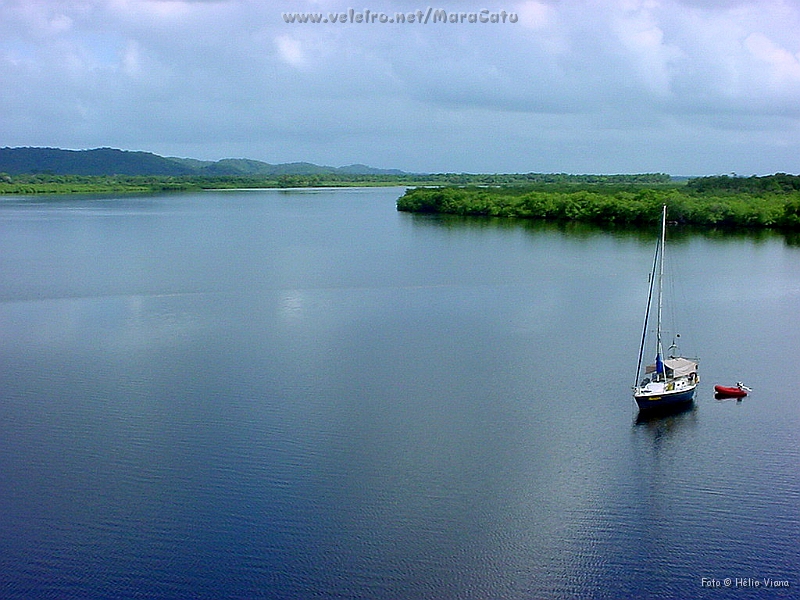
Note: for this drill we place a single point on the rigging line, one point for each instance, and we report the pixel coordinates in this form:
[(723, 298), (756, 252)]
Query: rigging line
[(647, 311)]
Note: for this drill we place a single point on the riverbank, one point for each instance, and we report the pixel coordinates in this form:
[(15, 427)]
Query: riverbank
[(51, 183), (87, 184), (754, 202)]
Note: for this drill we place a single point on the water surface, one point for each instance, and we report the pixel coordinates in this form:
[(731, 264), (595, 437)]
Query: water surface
[(285, 394)]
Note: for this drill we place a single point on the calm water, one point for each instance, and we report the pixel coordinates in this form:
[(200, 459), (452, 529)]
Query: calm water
[(269, 394)]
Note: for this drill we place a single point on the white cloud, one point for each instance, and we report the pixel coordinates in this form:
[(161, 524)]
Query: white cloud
[(535, 15), (652, 59), (782, 66), (290, 50)]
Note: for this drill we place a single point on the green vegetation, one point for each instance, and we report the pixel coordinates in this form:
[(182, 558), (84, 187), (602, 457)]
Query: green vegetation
[(46, 183), (778, 183), (755, 202), (77, 184), (51, 183), (108, 170), (724, 201)]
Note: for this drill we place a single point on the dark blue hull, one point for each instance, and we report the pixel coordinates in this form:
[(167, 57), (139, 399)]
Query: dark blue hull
[(664, 400)]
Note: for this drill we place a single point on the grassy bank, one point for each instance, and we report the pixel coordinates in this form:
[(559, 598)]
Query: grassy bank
[(754, 202)]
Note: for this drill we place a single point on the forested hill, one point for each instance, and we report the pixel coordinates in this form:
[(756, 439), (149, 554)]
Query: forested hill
[(100, 161), (110, 161)]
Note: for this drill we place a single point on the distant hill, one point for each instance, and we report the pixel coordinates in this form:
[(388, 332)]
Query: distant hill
[(110, 161), (359, 169), (100, 161)]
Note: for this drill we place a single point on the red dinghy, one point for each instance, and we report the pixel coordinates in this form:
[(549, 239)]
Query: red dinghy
[(732, 392)]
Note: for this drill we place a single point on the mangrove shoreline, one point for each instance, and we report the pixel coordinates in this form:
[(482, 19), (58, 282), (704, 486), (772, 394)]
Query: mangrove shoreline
[(771, 201)]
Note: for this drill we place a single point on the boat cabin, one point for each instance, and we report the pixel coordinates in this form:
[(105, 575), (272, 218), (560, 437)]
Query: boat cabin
[(674, 368)]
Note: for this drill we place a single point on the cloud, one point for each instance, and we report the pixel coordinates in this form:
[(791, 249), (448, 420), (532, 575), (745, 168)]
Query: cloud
[(161, 12), (782, 66), (290, 50), (620, 85), (535, 15), (642, 40)]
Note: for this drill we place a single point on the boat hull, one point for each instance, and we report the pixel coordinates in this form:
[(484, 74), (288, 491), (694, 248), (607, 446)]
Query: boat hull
[(729, 392), (664, 400)]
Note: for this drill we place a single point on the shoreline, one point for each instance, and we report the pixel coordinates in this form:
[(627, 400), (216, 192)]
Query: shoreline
[(770, 202)]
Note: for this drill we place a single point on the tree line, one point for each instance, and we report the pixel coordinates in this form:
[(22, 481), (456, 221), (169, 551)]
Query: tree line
[(47, 183), (771, 201), (53, 183)]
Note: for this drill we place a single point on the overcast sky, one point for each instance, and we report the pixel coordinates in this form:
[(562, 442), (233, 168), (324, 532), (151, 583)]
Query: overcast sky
[(687, 87)]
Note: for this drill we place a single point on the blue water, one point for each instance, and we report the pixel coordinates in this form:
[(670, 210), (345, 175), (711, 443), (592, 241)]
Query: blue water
[(305, 394)]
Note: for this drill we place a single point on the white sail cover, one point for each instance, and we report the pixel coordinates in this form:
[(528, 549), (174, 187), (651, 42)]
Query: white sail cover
[(680, 366)]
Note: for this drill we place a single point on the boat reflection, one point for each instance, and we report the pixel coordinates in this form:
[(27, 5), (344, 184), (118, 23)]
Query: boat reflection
[(664, 426), (665, 413)]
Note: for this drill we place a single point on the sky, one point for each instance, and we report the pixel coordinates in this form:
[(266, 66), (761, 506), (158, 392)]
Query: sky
[(686, 87)]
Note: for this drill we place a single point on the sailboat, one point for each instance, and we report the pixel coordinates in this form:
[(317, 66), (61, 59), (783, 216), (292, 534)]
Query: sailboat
[(672, 379)]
